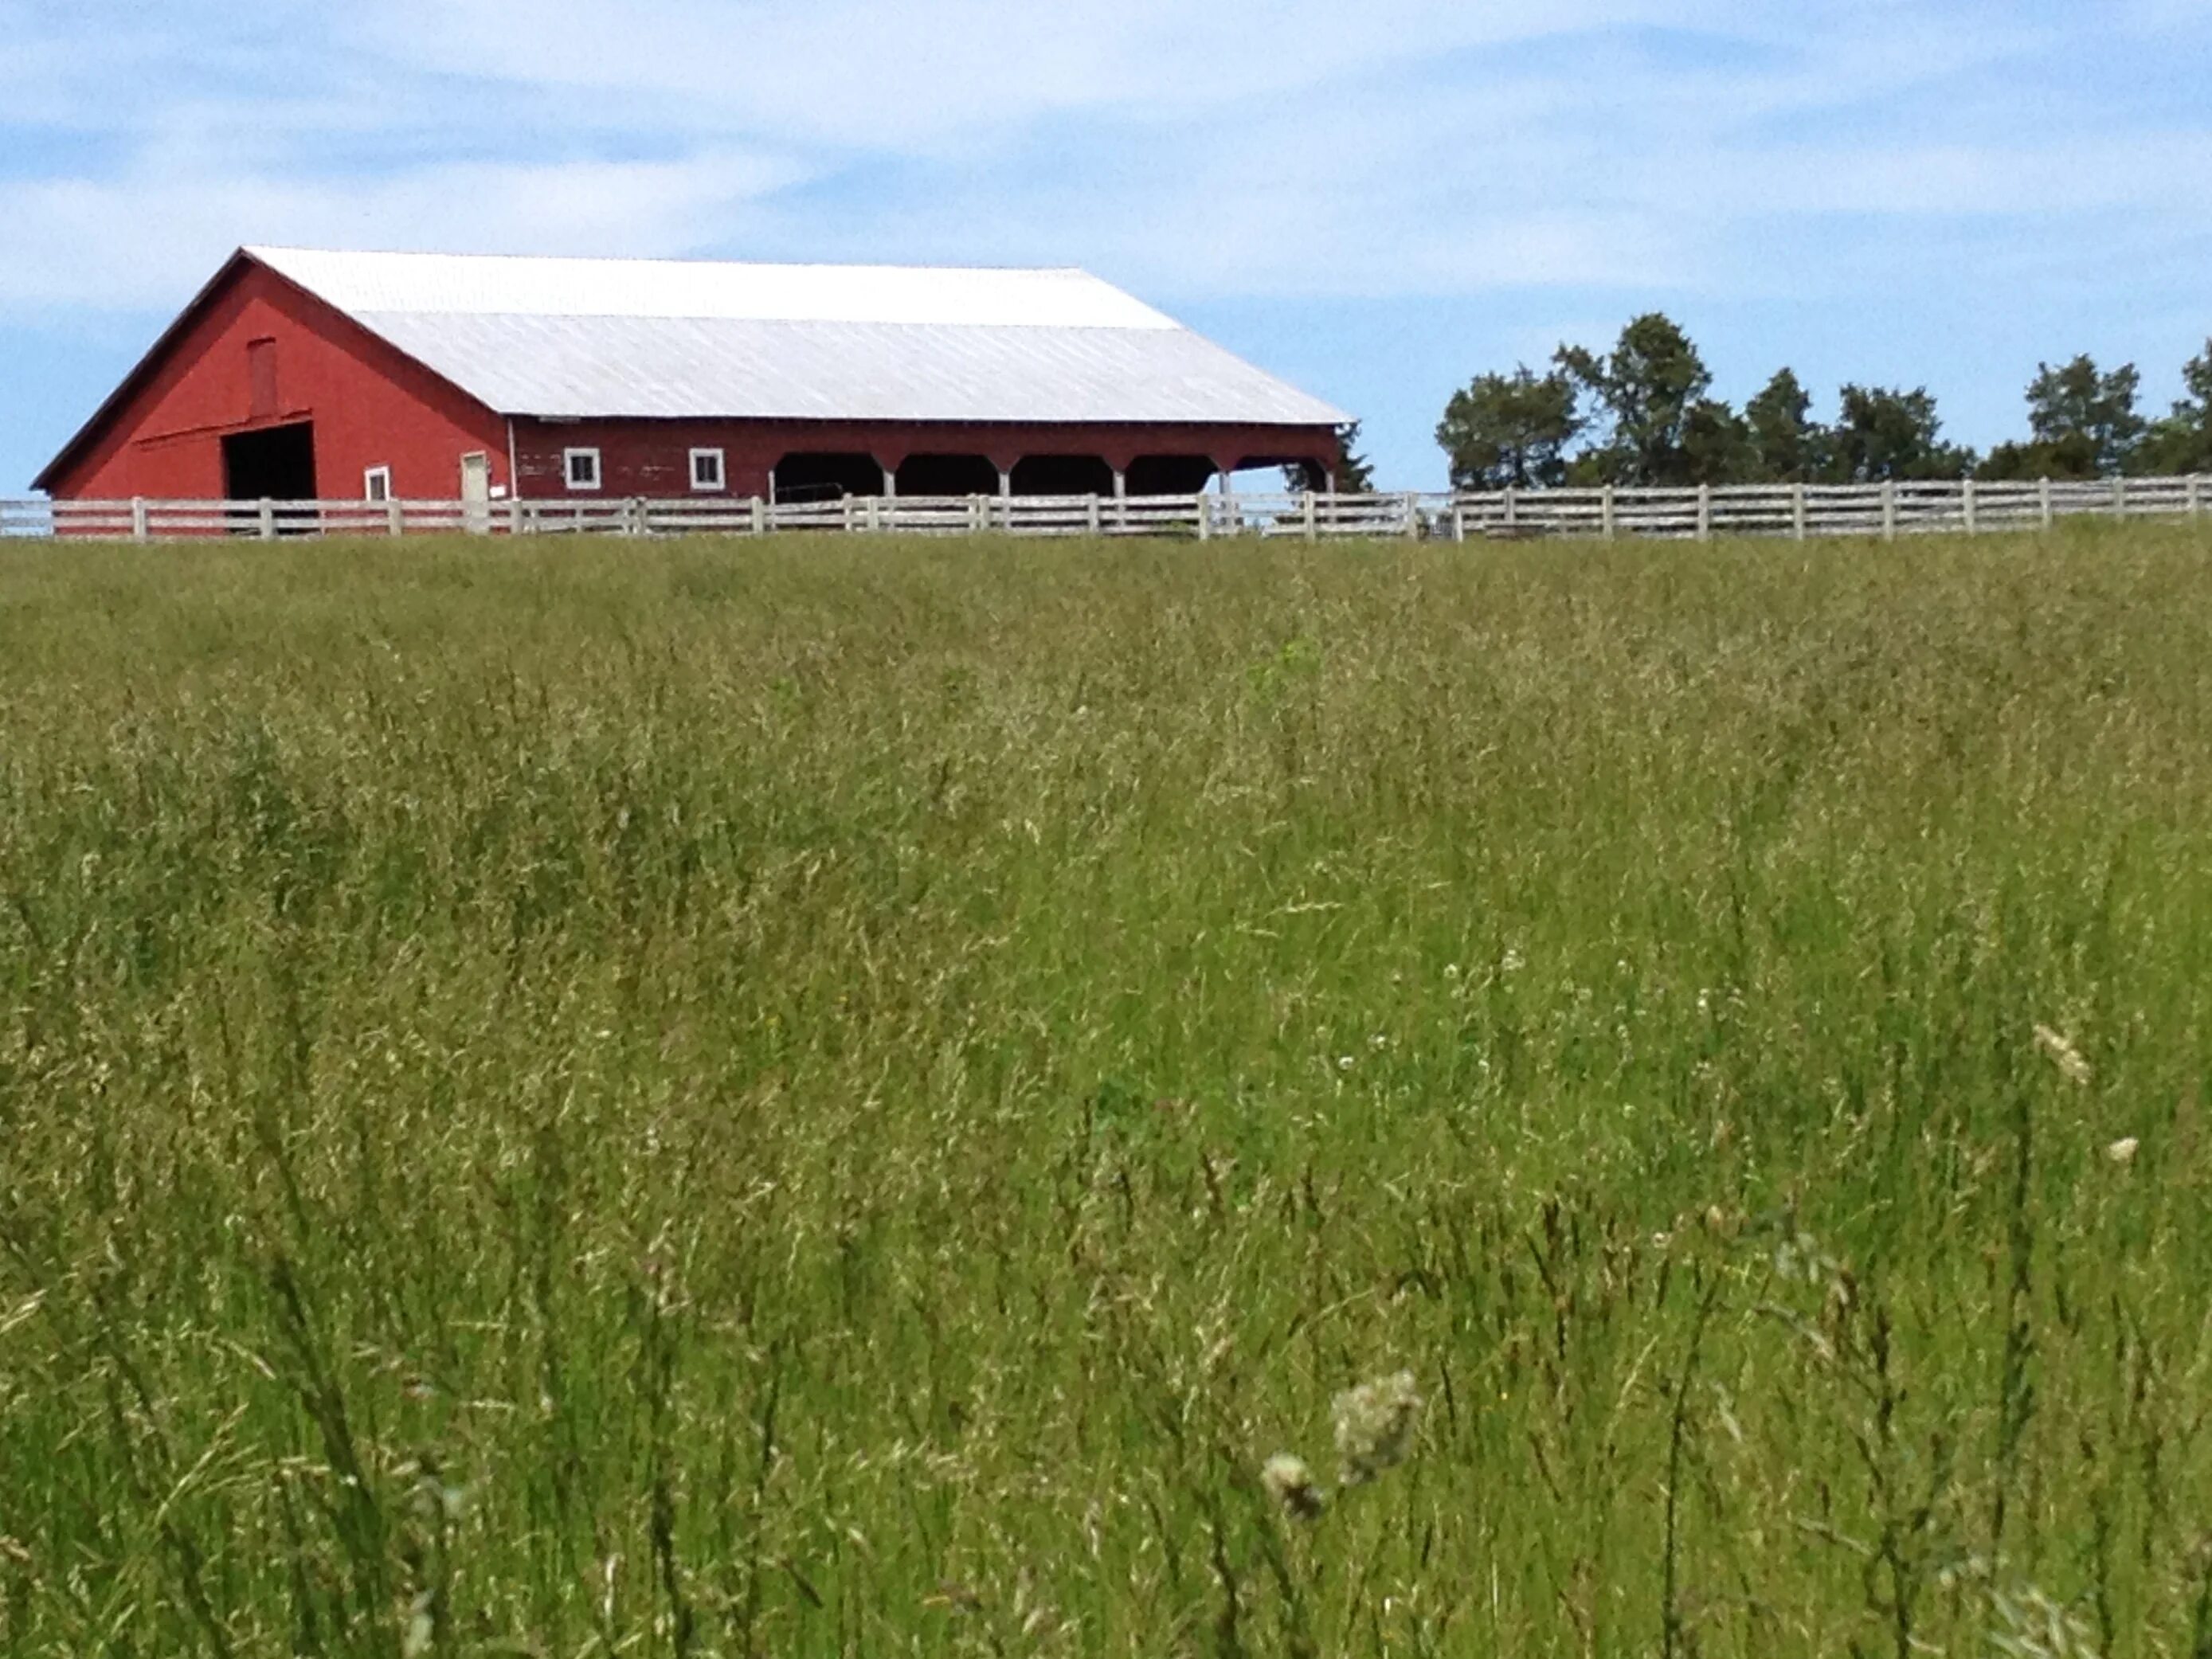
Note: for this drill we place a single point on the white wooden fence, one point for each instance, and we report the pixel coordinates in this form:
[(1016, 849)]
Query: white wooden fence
[(1796, 511)]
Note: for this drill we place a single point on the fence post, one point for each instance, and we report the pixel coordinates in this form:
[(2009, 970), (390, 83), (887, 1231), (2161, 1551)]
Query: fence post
[(1459, 520), (1205, 516), (2119, 497), (1412, 516), (1889, 509), (1966, 503), (1512, 513), (1798, 515), (2043, 500), (1092, 520), (138, 517), (2195, 498), (267, 520), (513, 516), (1609, 521), (1312, 526), (1704, 513), (756, 515)]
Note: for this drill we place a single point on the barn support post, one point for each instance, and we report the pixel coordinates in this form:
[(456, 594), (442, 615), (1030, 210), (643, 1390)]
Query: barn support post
[(890, 482), (2042, 500), (138, 517)]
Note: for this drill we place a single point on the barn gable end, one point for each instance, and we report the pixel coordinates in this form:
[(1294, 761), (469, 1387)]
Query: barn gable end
[(250, 362)]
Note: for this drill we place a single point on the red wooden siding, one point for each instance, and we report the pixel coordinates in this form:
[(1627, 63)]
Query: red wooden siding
[(653, 458)]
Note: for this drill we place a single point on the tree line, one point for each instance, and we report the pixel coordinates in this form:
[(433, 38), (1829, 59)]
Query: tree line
[(1643, 414)]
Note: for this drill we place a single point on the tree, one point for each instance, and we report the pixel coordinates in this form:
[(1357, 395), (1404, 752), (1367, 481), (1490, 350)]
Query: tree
[(1648, 390), (1882, 433), (1787, 444), (2082, 424), (1509, 431), (1716, 444), (2181, 443)]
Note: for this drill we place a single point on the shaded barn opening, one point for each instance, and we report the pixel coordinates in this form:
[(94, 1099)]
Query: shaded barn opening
[(276, 463), (1170, 475), (810, 477), (1063, 475), (945, 475)]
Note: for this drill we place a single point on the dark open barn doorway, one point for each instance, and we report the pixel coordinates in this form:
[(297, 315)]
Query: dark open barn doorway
[(814, 477), (948, 475), (1062, 475), (276, 463), (1170, 475)]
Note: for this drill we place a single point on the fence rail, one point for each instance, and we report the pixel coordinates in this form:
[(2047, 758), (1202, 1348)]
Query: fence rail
[(1797, 511)]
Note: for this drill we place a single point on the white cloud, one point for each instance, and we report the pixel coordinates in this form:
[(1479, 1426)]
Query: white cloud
[(149, 237)]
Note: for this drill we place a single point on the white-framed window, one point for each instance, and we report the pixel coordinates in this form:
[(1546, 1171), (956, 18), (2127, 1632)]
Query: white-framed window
[(707, 469), (580, 467), (376, 484)]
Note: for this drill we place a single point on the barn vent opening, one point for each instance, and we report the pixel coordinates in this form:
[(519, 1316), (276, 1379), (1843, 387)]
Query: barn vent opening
[(1170, 475), (807, 477), (945, 475), (1062, 475)]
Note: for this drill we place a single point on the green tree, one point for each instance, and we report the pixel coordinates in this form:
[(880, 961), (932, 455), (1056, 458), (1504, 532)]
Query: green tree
[(1648, 391), (2181, 443), (1882, 433), (1509, 429), (1716, 445), (2081, 423), (1787, 444)]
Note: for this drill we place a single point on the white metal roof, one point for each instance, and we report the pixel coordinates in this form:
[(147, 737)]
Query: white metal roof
[(580, 339)]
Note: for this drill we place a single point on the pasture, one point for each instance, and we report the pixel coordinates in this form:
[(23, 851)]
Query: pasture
[(844, 1097)]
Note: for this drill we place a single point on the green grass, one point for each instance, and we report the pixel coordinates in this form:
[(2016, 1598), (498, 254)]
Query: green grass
[(842, 1098)]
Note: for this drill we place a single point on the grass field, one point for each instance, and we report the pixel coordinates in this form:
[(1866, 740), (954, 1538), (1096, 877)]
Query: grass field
[(844, 1098)]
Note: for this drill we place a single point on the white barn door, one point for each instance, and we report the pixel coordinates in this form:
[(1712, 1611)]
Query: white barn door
[(475, 493)]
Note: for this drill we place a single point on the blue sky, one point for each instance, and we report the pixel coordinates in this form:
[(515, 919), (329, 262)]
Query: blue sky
[(1377, 202)]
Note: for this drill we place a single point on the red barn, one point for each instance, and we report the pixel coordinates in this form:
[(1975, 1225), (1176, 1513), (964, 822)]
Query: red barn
[(298, 375)]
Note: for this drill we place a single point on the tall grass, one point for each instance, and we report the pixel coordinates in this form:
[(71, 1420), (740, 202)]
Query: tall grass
[(843, 1098)]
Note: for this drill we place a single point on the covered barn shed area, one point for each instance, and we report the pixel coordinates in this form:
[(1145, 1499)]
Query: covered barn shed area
[(299, 375)]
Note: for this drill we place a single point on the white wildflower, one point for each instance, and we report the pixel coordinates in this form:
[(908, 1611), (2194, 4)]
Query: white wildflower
[(2122, 1152), (1345, 1062), (1375, 1425), (1451, 970), (1290, 1484), (2063, 1055), (1514, 962)]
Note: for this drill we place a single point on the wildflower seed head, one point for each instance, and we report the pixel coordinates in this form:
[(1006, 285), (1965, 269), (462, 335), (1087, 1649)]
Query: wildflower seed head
[(1375, 1425), (1290, 1484), (2063, 1055)]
